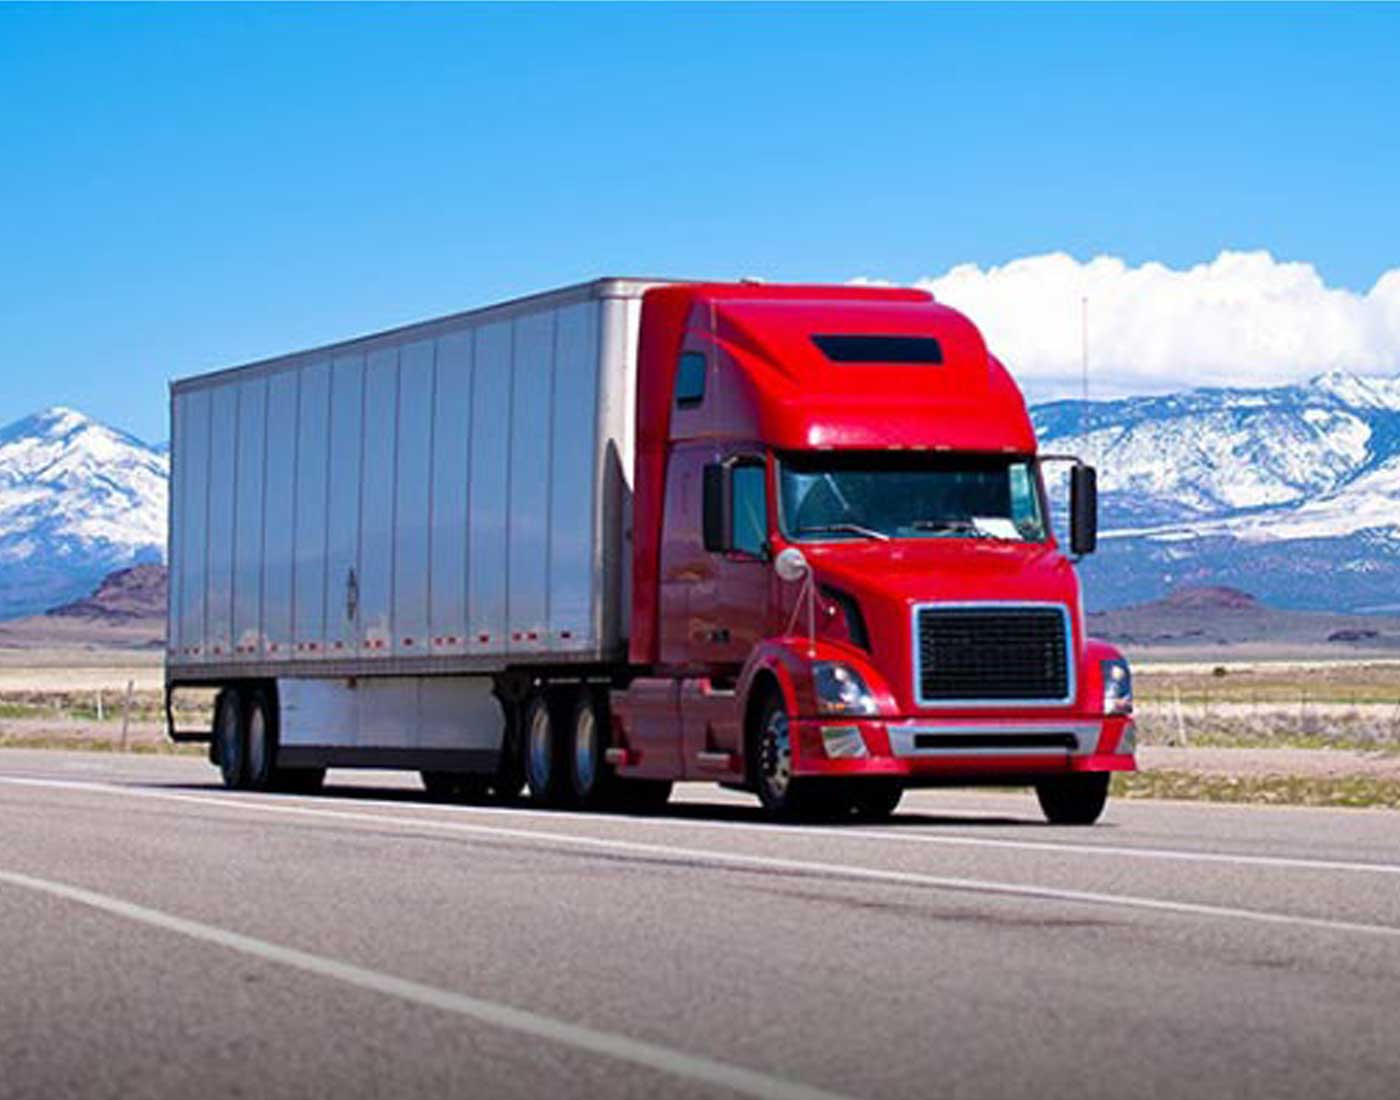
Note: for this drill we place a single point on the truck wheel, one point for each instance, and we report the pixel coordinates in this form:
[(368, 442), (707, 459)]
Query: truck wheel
[(876, 799), (261, 741), (1073, 799), (782, 795), (229, 744), (589, 774), (544, 774)]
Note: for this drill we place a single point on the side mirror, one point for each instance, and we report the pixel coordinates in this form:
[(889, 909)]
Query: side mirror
[(1083, 509), (718, 533)]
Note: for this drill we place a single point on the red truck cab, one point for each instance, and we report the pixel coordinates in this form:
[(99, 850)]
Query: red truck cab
[(844, 580)]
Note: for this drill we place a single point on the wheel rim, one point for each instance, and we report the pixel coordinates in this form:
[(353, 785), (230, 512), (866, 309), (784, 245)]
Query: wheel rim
[(541, 749), (585, 750), (777, 753), (257, 743)]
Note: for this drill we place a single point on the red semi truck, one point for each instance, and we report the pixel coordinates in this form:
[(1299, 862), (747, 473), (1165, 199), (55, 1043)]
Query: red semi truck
[(791, 539)]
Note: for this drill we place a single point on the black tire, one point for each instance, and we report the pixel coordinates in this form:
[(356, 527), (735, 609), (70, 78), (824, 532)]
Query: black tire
[(230, 744), (875, 799), (784, 797), (260, 743), (590, 775), (546, 770), (1073, 799)]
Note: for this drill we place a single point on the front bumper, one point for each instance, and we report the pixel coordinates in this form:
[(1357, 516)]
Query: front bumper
[(980, 748)]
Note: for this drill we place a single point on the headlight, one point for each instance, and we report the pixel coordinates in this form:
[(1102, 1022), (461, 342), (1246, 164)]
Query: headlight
[(840, 690), (1117, 687)]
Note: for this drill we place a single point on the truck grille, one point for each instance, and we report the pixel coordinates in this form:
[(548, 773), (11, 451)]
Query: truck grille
[(992, 654)]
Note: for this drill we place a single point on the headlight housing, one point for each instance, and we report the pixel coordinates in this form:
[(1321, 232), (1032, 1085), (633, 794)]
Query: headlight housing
[(840, 690), (1117, 686)]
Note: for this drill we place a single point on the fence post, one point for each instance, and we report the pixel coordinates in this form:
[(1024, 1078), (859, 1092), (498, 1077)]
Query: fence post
[(126, 711)]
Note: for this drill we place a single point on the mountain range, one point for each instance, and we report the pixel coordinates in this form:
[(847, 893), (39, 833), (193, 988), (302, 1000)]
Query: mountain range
[(77, 500), (1290, 493)]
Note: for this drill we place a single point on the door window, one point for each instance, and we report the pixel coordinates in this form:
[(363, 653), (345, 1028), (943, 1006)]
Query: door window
[(749, 501)]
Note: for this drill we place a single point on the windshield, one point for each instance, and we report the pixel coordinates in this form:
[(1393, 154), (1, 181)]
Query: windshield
[(881, 495)]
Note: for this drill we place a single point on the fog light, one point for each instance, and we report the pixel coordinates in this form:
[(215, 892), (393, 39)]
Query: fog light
[(1127, 744), (844, 743)]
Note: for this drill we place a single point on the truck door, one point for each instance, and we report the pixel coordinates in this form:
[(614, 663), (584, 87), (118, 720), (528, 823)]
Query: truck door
[(729, 606)]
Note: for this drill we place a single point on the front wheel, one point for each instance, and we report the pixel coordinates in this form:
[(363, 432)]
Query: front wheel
[(1073, 799), (783, 795)]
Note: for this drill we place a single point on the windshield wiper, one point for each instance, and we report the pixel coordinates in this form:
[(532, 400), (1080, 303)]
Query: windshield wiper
[(843, 529), (955, 526)]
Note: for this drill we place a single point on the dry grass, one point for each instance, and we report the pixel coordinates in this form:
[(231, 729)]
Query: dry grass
[(1275, 790)]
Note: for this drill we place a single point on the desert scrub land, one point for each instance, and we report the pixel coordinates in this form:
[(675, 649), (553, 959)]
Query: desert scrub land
[(1323, 734), (85, 705)]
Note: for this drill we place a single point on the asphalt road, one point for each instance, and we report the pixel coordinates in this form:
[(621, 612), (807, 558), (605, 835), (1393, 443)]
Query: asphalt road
[(160, 937)]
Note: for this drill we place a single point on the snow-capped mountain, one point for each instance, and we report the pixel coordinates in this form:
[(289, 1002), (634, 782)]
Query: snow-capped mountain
[(1291, 493), (77, 500)]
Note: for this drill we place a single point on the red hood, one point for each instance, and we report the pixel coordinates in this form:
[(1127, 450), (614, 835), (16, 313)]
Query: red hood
[(914, 571)]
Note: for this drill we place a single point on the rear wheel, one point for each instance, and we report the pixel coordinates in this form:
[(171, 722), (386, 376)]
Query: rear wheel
[(590, 777), (261, 740), (230, 746), (1073, 799), (545, 772)]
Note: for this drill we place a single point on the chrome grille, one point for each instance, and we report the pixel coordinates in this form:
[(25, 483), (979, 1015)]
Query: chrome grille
[(992, 654)]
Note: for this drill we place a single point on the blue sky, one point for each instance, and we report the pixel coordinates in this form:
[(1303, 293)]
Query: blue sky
[(189, 187)]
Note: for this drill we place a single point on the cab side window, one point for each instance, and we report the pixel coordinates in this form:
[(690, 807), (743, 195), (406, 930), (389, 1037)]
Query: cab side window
[(690, 380), (749, 501)]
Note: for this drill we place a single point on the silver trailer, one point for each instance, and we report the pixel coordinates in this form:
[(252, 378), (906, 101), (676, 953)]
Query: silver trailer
[(375, 530)]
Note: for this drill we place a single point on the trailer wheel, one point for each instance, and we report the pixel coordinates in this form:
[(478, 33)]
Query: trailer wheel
[(261, 740), (544, 770), (1073, 799), (590, 776), (229, 744)]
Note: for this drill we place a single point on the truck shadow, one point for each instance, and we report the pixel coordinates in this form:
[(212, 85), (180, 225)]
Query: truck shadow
[(736, 813)]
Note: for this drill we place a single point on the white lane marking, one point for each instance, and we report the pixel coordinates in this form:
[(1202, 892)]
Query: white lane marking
[(638, 1052), (545, 839), (1178, 855)]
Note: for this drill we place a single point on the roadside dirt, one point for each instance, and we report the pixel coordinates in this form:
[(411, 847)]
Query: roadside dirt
[(1250, 763)]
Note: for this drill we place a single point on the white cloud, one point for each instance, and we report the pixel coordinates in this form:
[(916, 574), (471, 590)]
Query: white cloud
[(1244, 319)]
